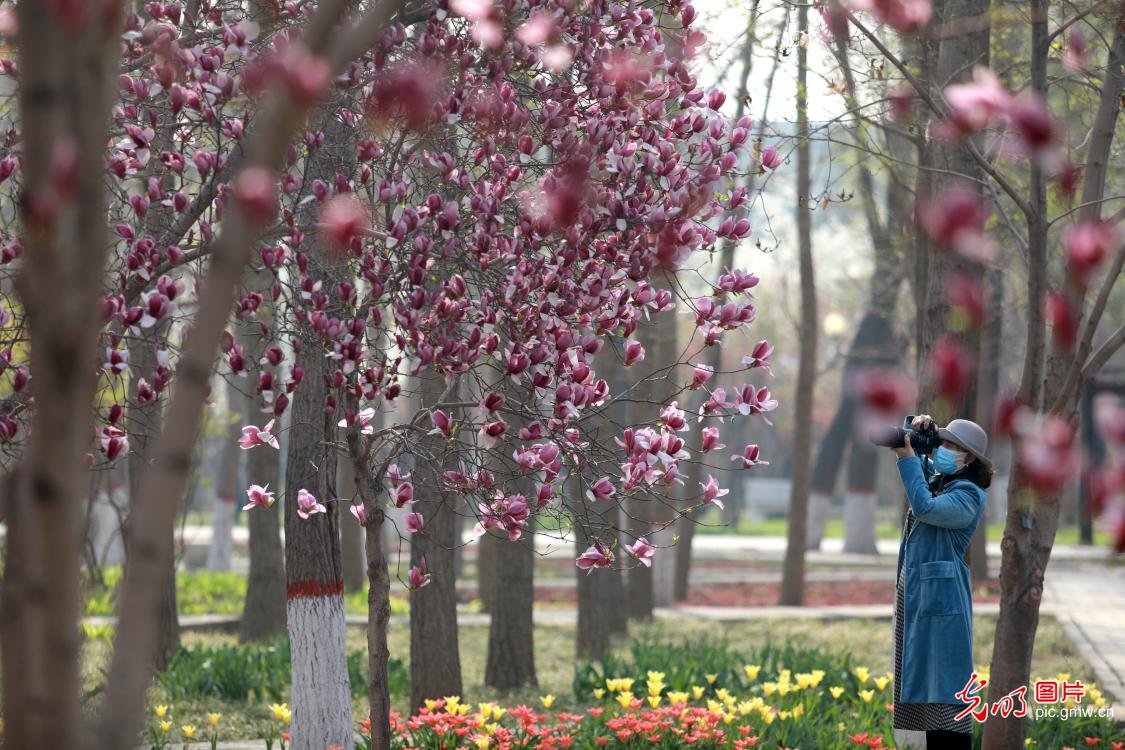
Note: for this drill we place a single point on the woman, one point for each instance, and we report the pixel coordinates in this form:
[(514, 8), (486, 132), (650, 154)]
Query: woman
[(933, 621)]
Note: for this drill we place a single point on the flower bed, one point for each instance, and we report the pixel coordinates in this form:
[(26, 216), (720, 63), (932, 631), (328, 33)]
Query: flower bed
[(811, 710)]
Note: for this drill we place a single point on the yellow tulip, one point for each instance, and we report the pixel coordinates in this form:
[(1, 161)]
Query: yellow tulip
[(625, 697), (279, 710), (711, 678), (213, 719), (599, 693), (547, 700), (653, 700), (160, 711), (881, 682), (783, 715), (497, 712), (431, 704), (677, 696), (841, 726), (655, 676), (867, 695), (798, 710), (836, 691), (768, 717), (166, 727), (769, 688), (722, 694), (697, 691), (481, 742), (752, 671), (188, 731), (863, 673)]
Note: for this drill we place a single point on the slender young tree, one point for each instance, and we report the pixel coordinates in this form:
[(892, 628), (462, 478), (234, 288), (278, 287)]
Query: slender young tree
[(793, 573)]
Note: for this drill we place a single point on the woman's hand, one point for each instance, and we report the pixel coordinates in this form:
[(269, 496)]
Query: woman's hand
[(905, 451), (921, 422)]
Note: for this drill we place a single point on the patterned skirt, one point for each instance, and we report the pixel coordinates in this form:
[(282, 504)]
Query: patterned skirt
[(920, 716)]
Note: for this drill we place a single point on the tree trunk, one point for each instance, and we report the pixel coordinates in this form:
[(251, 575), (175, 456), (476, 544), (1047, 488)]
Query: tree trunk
[(988, 386), (352, 548), (435, 658), (793, 575), (712, 356), (596, 600), (314, 596), (378, 594), (486, 570), (1029, 530), (226, 492), (145, 422), (313, 565), (511, 633), (263, 614)]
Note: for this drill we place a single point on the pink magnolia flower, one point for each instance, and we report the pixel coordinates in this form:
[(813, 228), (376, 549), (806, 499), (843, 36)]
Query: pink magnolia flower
[(258, 497), (359, 513), (342, 220), (758, 356), (770, 158), (490, 402), (951, 367), (712, 492), (642, 550), (884, 391), (419, 575), (442, 423), (749, 456), (596, 556), (1049, 456), (363, 419), (977, 104), (116, 362), (634, 352), (900, 15), (602, 489), (490, 433), (711, 440), (395, 474), (253, 436), (307, 504), (256, 192), (751, 400), (700, 374), (114, 441), (1074, 55), (414, 522), (956, 221), (404, 494), (1087, 244)]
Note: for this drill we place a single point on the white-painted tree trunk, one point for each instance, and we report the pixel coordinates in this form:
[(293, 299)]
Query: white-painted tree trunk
[(820, 508), (859, 523), (321, 700), (222, 527), (663, 567)]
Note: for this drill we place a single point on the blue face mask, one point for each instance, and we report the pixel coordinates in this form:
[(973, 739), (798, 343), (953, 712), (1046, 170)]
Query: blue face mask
[(947, 461)]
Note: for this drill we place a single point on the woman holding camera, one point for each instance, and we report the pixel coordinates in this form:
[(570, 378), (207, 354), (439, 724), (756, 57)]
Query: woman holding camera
[(933, 620)]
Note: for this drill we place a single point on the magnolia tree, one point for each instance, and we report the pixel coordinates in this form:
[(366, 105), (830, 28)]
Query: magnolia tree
[(1015, 145), (486, 197)]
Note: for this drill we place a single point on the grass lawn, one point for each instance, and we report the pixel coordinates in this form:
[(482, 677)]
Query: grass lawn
[(868, 640)]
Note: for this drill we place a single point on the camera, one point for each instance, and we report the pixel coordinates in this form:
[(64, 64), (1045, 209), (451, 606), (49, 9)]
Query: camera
[(923, 442)]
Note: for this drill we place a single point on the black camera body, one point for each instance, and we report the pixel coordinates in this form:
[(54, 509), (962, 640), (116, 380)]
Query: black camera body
[(923, 441)]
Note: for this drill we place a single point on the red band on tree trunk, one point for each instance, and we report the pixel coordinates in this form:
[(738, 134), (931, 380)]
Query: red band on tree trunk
[(311, 588)]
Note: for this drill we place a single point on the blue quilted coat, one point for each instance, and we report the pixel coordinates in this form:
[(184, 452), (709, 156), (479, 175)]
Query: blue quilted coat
[(937, 650)]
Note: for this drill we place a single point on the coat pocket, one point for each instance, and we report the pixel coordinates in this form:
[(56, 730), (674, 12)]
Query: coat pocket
[(938, 590)]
